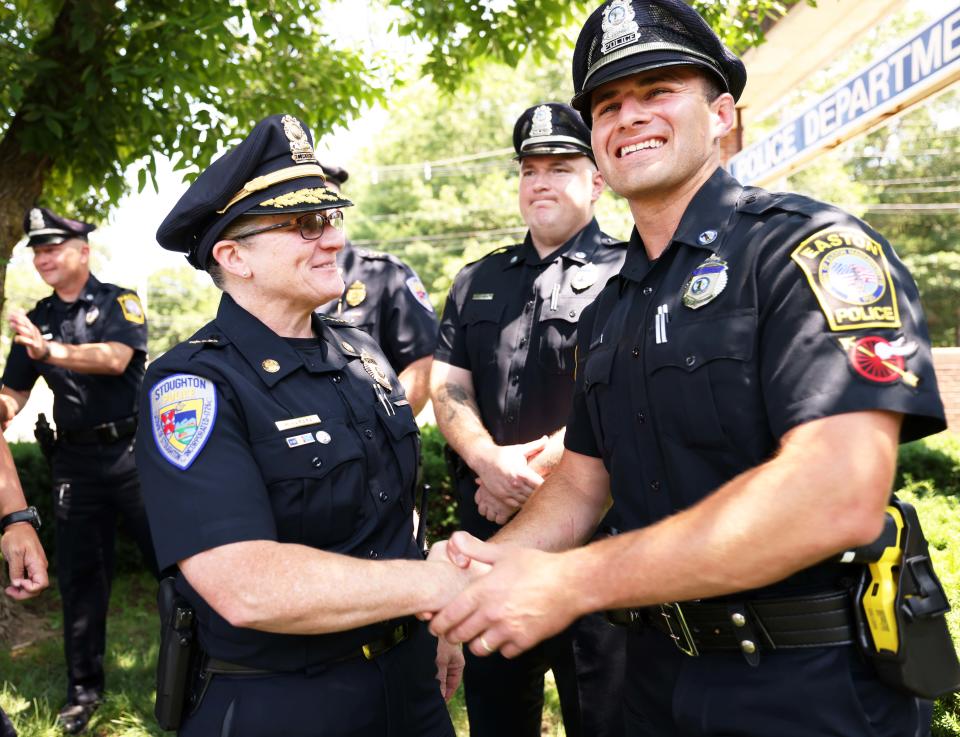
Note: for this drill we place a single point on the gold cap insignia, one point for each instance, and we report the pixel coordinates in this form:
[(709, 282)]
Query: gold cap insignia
[(270, 366), (356, 293), (300, 149)]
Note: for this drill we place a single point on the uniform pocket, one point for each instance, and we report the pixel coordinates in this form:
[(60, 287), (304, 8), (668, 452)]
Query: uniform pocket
[(481, 323), (558, 334), (405, 444), (600, 400)]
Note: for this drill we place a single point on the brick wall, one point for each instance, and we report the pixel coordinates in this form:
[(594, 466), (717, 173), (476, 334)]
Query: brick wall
[(946, 361)]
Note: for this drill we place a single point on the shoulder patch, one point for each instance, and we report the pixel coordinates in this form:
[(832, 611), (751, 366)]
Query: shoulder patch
[(419, 291), (132, 309), (183, 409), (850, 276)]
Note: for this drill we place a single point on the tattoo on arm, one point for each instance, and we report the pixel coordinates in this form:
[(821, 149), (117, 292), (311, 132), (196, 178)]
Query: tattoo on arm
[(453, 397)]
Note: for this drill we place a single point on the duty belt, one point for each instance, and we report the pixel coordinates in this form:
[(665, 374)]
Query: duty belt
[(371, 650), (748, 626), (108, 432)]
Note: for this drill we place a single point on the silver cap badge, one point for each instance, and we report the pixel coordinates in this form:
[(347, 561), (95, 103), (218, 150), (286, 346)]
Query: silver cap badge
[(542, 122), (619, 26)]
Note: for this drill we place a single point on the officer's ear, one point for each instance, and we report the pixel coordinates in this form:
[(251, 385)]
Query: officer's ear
[(723, 115), (598, 185), (232, 257)]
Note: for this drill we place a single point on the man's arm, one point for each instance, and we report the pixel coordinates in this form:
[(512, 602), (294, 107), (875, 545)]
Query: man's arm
[(416, 383), (11, 402), (26, 561), (825, 491), (109, 358), (503, 470)]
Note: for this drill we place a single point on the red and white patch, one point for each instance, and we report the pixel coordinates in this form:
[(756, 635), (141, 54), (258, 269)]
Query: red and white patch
[(881, 361)]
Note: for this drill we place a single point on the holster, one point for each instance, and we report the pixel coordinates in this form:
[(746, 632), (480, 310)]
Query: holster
[(179, 655), (924, 662), (45, 435)]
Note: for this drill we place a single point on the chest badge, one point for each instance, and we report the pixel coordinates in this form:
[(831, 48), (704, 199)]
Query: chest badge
[(585, 277), (705, 283), (372, 367), (270, 366), (356, 293), (92, 314)]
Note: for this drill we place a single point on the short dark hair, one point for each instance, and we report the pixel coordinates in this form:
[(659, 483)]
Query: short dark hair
[(712, 87), (234, 229)]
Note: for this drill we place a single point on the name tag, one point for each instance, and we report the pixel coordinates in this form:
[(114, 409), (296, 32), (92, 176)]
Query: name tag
[(483, 296), (297, 422)]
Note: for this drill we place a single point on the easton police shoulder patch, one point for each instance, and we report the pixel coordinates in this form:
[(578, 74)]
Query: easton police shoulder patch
[(132, 309), (183, 408), (850, 276)]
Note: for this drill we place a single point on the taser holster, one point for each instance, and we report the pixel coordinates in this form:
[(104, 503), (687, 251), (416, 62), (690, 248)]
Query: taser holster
[(900, 621), (179, 651)]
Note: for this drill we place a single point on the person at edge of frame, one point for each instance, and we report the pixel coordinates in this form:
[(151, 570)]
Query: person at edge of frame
[(385, 298), (20, 545), (88, 340), (502, 386), (279, 464), (742, 387)]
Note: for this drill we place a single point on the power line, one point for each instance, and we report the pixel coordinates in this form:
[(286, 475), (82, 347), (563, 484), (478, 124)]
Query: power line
[(910, 180), (492, 233)]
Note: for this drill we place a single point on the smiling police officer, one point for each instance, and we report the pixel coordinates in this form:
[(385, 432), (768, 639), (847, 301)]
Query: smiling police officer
[(88, 340), (742, 386)]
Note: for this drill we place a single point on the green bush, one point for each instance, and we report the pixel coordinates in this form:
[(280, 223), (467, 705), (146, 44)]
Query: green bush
[(442, 515), (935, 460)]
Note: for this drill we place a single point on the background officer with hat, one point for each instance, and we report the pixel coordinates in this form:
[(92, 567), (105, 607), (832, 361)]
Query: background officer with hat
[(279, 464), (742, 386), (502, 383), (385, 298), (88, 340)]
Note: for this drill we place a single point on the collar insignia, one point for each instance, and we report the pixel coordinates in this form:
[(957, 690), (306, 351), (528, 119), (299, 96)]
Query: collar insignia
[(270, 366)]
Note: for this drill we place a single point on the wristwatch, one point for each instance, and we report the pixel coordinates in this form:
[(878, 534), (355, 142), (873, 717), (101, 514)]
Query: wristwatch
[(29, 514)]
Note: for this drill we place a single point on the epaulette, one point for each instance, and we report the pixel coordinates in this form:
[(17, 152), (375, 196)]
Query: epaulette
[(757, 201), (378, 255), (496, 252)]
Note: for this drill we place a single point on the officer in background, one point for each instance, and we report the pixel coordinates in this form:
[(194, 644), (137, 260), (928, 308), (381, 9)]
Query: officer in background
[(26, 561), (384, 297), (741, 390), (88, 340), (279, 466), (502, 384)]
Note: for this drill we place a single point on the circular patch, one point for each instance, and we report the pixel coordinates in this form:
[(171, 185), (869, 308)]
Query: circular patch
[(323, 437), (270, 366), (852, 276), (866, 362)]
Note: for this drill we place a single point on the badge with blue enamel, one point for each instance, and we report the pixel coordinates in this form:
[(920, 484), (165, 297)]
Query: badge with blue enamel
[(705, 283)]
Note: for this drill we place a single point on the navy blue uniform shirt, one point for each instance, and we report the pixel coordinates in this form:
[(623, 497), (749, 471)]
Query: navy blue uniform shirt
[(765, 311), (386, 299), (511, 320), (103, 313), (250, 436)]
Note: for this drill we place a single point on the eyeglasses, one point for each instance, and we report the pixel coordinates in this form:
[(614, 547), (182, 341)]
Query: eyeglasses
[(311, 225)]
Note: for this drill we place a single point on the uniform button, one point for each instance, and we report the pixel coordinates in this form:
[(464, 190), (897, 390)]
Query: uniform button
[(510, 418), (316, 462), (738, 619), (641, 418), (748, 646), (368, 433), (690, 360), (655, 485), (647, 291), (384, 496), (336, 379), (530, 304), (635, 352), (515, 379), (523, 342), (373, 554), (572, 313)]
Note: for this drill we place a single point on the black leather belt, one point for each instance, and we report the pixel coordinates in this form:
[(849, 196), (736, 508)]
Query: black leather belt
[(371, 650), (749, 626), (108, 432)]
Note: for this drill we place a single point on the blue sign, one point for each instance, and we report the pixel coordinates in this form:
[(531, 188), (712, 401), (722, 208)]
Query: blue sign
[(881, 86)]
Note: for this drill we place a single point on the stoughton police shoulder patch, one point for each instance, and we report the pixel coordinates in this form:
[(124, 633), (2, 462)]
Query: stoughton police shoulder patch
[(183, 408), (850, 276), (419, 291)]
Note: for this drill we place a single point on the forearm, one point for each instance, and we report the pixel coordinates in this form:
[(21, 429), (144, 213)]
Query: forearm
[(90, 358), (11, 402), (546, 461), (11, 493), (295, 589), (458, 417), (415, 379)]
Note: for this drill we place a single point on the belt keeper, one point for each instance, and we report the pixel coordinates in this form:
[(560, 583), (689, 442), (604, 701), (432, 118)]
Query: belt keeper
[(742, 621)]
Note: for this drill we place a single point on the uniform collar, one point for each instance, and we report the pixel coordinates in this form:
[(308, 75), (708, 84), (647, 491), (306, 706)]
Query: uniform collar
[(89, 289), (579, 249), (259, 344)]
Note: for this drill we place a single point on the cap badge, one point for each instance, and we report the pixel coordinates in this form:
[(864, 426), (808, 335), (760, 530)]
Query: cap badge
[(542, 122), (705, 283), (270, 366), (371, 366), (585, 277), (36, 219), (619, 26), (356, 293), (300, 149)]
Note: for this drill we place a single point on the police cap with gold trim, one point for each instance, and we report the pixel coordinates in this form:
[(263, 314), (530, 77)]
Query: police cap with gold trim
[(624, 37), (551, 128), (271, 171), (45, 228)]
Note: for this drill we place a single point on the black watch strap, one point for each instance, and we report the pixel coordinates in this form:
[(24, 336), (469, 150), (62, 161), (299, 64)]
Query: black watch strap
[(29, 514)]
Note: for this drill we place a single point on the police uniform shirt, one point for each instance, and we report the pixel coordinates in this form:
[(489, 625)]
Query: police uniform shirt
[(250, 436), (766, 311), (511, 320), (385, 298), (102, 313)]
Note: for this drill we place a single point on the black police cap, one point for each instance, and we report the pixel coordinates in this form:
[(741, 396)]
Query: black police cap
[(271, 171), (551, 128), (624, 37), (336, 174), (46, 228)]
